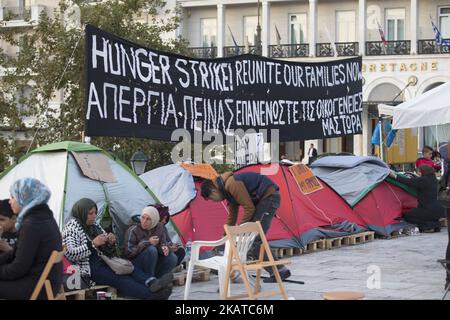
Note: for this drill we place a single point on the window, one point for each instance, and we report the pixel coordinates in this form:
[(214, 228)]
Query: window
[(297, 28), (345, 26), (250, 24), (395, 24), (208, 32), (444, 22)]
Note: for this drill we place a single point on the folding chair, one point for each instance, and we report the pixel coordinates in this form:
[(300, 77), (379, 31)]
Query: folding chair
[(446, 265), (55, 258), (240, 239)]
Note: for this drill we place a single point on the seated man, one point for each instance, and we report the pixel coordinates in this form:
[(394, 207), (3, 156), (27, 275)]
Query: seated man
[(259, 197), (146, 245), (8, 233)]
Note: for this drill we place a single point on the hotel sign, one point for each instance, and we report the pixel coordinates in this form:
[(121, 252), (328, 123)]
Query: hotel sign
[(400, 67)]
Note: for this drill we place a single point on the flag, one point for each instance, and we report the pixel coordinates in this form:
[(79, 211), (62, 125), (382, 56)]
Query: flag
[(389, 133), (380, 30), (278, 36), (376, 135), (333, 45), (438, 36), (390, 137), (234, 41)]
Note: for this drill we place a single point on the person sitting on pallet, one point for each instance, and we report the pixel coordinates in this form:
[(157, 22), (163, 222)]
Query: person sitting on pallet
[(259, 197), (38, 237), (147, 246), (8, 233), (86, 240)]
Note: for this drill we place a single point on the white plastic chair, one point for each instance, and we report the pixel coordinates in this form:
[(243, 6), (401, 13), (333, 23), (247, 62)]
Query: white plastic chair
[(218, 263)]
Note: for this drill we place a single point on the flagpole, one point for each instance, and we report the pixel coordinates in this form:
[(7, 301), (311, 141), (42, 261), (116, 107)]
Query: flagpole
[(380, 122)]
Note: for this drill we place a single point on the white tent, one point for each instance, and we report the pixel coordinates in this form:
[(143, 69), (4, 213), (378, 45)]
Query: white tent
[(74, 170), (429, 109)]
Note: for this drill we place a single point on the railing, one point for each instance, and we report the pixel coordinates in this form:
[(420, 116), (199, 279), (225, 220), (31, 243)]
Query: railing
[(344, 49), (234, 51), (430, 47), (289, 50), (204, 52), (379, 48), (16, 13)]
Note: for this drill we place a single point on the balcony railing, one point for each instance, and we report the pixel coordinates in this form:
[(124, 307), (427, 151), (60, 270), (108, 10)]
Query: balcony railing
[(204, 52), (289, 50), (16, 13), (378, 48), (430, 47), (344, 49), (234, 51)]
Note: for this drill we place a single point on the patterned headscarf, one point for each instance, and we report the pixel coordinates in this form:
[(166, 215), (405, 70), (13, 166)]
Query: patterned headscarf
[(153, 214), (28, 192)]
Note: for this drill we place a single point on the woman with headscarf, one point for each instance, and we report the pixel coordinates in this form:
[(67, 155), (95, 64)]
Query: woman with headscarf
[(84, 238), (428, 212), (148, 247), (38, 236)]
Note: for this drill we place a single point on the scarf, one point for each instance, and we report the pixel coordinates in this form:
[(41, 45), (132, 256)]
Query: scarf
[(153, 214), (28, 192)]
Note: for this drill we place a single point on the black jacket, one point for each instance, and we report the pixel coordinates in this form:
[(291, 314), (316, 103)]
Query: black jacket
[(427, 188), (38, 237)]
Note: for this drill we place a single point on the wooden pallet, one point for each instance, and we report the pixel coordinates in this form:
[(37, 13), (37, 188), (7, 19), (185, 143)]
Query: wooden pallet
[(200, 274), (393, 235), (87, 294), (350, 240), (444, 222)]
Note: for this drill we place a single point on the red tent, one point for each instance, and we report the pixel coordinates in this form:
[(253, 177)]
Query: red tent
[(383, 206), (302, 215)]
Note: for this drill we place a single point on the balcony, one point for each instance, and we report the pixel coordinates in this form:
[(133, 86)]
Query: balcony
[(204, 52), (430, 47), (378, 48), (237, 50), (20, 16), (344, 49), (289, 50)]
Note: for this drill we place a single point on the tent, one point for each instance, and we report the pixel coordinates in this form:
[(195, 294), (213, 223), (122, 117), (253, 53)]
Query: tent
[(179, 189), (429, 109), (74, 170), (305, 217), (361, 181)]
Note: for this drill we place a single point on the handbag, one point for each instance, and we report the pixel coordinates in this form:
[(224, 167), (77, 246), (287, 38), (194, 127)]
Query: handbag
[(118, 265)]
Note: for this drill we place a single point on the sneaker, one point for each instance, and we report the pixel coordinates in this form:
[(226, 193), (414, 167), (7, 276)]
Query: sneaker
[(166, 281), (283, 275)]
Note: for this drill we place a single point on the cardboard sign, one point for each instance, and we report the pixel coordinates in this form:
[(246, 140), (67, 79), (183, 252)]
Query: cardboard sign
[(94, 166), (249, 149), (306, 181), (202, 170)]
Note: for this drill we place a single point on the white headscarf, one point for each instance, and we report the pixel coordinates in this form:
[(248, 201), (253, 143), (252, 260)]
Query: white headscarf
[(153, 214)]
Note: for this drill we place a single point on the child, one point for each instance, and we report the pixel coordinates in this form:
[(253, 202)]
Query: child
[(8, 234)]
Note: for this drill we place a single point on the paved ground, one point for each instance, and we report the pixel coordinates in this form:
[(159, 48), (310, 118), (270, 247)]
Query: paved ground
[(407, 265)]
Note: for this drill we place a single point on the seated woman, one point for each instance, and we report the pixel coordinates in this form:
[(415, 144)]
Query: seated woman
[(146, 245), (84, 238), (38, 236), (428, 212), (8, 233)]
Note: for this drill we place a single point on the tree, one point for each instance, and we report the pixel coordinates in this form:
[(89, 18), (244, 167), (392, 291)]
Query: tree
[(51, 59)]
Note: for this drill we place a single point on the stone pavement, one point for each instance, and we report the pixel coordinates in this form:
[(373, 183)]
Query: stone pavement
[(407, 270)]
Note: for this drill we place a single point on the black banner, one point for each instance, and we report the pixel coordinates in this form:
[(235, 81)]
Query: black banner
[(133, 91)]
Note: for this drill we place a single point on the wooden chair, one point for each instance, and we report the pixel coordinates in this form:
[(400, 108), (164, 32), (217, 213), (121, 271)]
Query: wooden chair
[(240, 239), (55, 258)]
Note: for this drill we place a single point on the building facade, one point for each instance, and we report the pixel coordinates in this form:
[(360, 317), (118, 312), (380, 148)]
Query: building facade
[(403, 65)]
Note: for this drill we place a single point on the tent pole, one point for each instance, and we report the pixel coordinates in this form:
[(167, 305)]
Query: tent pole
[(437, 139), (380, 122)]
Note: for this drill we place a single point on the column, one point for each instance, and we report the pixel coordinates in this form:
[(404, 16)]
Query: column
[(414, 22), (312, 27), (362, 27), (265, 28), (220, 29)]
